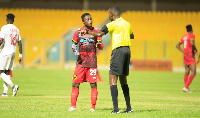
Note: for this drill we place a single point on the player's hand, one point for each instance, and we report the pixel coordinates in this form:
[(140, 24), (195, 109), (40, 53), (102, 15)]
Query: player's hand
[(198, 60), (98, 45), (196, 53), (74, 50), (82, 32), (20, 60)]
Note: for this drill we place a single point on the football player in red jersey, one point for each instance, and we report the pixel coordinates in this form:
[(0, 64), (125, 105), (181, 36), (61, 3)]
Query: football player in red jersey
[(189, 50), (86, 65)]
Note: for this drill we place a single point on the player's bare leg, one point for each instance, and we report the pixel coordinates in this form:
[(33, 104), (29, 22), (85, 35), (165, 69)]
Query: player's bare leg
[(94, 94), (192, 68), (114, 92), (187, 72), (74, 96), (125, 88)]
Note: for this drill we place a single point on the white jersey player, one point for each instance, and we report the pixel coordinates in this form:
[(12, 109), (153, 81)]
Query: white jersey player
[(9, 37)]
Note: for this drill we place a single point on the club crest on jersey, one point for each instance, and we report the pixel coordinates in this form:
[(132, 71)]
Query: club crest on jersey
[(86, 40), (75, 77)]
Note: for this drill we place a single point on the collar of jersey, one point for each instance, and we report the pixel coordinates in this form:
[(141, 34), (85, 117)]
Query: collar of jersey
[(89, 29), (120, 18)]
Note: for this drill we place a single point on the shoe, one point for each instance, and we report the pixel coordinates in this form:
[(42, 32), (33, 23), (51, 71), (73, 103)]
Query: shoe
[(72, 109), (115, 112), (186, 90), (4, 95), (129, 111), (92, 110), (14, 89)]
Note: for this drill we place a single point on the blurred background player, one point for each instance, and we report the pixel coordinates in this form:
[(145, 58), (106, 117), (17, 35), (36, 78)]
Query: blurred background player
[(10, 36), (86, 66), (120, 33), (189, 50), (9, 74)]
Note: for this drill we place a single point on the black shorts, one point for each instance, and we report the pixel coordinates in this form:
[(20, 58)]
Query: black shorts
[(120, 59)]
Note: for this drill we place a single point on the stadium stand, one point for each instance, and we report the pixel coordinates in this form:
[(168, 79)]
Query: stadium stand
[(46, 24), (156, 33)]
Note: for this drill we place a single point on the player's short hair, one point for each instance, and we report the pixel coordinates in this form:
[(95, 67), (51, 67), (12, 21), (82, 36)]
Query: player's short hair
[(116, 9), (189, 28), (83, 16), (10, 16)]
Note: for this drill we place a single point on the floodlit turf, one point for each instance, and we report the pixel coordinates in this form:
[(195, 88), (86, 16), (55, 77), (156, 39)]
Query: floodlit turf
[(46, 93)]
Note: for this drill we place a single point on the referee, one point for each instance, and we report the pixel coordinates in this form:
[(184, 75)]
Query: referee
[(120, 33)]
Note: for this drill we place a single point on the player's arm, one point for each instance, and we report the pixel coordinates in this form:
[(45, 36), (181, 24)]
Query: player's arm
[(2, 36), (198, 60), (74, 46), (178, 46), (20, 49), (99, 43), (132, 36), (1, 41), (131, 32), (193, 45), (75, 42), (20, 52), (103, 31)]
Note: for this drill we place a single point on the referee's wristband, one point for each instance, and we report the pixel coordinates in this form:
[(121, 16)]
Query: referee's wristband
[(20, 55)]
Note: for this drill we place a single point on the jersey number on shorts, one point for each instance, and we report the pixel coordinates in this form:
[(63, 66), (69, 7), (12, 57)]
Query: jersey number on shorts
[(185, 42), (93, 71), (13, 39)]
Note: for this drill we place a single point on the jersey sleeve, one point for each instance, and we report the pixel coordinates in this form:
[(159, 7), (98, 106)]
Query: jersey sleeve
[(2, 33), (110, 26), (131, 30), (104, 29), (181, 40), (192, 37), (75, 37)]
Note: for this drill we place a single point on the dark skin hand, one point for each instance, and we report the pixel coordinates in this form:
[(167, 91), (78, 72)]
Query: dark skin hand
[(178, 46)]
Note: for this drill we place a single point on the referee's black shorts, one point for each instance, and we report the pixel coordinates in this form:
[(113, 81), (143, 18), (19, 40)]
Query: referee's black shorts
[(120, 59)]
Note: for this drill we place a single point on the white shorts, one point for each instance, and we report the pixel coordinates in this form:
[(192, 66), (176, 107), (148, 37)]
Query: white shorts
[(7, 62)]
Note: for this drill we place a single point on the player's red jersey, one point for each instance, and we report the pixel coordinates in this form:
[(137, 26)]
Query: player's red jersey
[(189, 55), (87, 48)]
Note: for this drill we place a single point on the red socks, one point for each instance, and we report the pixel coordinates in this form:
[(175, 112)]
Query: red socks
[(185, 78), (189, 81), (74, 96), (94, 94)]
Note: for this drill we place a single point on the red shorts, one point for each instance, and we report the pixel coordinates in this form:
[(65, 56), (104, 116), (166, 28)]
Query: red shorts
[(189, 60), (82, 74)]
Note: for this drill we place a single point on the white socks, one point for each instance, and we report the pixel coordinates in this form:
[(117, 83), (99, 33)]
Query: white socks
[(5, 85), (6, 79)]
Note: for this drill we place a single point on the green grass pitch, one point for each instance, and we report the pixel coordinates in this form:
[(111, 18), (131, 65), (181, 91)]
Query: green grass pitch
[(46, 93)]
